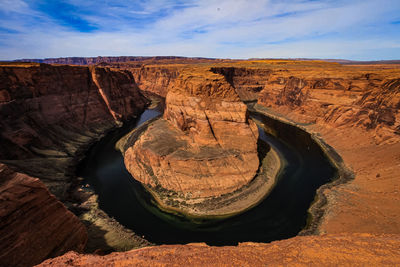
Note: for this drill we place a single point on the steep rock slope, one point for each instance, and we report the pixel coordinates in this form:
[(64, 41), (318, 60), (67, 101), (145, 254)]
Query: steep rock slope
[(248, 82), (367, 101), (193, 150), (365, 96), (34, 225), (331, 250), (355, 109), (155, 78), (49, 113)]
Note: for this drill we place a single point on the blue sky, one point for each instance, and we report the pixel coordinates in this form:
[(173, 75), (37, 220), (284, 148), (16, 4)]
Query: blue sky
[(359, 30)]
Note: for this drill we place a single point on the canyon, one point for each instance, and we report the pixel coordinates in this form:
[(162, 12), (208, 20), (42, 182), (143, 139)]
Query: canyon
[(50, 114), (189, 152)]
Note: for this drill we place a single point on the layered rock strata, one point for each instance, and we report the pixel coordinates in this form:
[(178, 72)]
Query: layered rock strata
[(205, 145), (48, 114), (369, 101), (248, 82), (354, 108), (365, 96), (155, 78), (34, 225), (330, 250)]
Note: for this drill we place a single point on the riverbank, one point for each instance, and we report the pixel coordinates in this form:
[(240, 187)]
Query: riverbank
[(318, 208), (105, 233)]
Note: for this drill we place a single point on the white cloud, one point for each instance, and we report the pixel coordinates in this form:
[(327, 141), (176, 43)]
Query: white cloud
[(224, 28)]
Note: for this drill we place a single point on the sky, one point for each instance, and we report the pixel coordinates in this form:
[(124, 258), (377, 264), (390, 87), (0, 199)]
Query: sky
[(346, 29)]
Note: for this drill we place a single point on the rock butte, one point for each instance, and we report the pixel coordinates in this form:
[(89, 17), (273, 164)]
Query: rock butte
[(354, 108), (205, 145)]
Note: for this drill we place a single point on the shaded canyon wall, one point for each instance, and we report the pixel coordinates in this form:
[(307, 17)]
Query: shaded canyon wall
[(48, 114)]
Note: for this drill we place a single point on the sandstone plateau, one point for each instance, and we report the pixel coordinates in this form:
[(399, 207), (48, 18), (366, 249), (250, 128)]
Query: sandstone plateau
[(330, 250), (50, 114)]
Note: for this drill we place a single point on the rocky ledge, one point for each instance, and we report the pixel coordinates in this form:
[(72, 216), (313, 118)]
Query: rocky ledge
[(192, 155), (329, 250)]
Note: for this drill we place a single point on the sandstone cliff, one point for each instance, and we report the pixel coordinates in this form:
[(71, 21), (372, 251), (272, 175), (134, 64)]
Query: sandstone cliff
[(155, 79), (329, 93), (248, 82), (49, 113), (364, 100), (355, 109), (331, 250), (205, 146), (34, 225)]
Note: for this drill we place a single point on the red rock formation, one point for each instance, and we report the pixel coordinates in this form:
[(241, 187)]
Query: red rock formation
[(34, 225), (356, 110), (342, 98), (331, 250), (205, 146), (363, 96), (248, 82), (155, 79), (48, 113)]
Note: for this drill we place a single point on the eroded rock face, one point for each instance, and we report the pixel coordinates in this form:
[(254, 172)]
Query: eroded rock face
[(331, 250), (34, 225), (364, 96), (49, 113), (248, 82), (205, 145), (155, 79), (369, 101)]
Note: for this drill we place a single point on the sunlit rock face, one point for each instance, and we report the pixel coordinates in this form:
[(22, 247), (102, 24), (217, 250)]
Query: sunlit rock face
[(204, 146), (328, 250)]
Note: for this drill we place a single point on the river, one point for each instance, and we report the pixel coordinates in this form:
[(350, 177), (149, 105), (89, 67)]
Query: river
[(282, 214)]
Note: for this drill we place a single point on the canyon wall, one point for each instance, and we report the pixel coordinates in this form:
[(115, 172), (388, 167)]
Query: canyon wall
[(366, 100), (364, 96), (155, 79), (205, 146), (49, 114), (34, 225), (355, 109), (248, 82)]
